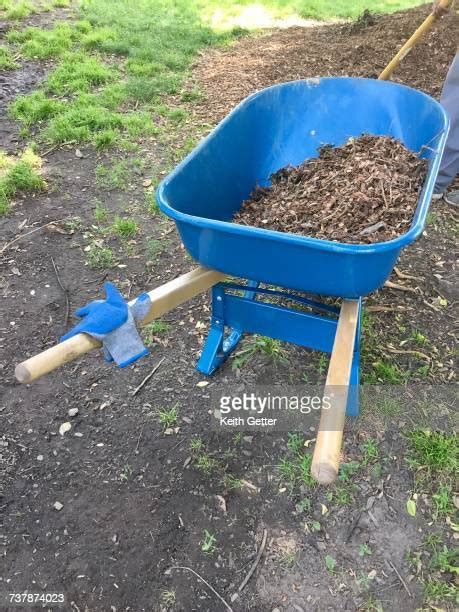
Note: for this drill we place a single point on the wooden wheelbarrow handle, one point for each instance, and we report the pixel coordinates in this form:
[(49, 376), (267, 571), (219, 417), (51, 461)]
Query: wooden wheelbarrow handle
[(412, 41), (327, 451), (163, 299)]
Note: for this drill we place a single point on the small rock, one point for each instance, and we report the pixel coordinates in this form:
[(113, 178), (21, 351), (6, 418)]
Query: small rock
[(64, 428), (73, 412), (40, 457), (78, 153), (58, 506)]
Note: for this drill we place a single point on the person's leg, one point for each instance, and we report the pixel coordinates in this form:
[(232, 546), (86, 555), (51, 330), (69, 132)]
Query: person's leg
[(449, 166)]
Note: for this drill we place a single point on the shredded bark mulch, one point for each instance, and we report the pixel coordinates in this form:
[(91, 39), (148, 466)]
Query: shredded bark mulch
[(365, 191)]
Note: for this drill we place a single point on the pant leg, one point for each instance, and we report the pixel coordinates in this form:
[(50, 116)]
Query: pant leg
[(449, 166)]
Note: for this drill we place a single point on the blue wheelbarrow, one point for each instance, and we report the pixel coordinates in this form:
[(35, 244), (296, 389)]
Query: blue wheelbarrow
[(275, 127)]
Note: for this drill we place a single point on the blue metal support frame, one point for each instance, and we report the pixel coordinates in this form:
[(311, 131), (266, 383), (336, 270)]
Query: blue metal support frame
[(245, 314)]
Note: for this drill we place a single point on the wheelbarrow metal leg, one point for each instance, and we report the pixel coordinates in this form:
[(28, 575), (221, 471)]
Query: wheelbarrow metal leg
[(218, 348)]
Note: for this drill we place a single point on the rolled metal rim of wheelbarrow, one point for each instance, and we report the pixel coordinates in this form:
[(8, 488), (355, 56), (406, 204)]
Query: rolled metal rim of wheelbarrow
[(408, 237)]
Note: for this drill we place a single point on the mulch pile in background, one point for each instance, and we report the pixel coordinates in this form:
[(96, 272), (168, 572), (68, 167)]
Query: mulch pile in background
[(365, 191)]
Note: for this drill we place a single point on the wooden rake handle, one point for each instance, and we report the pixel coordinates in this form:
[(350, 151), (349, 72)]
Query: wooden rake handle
[(163, 299), (412, 41), (327, 451)]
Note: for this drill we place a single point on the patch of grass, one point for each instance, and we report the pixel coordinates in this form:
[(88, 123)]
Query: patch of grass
[(100, 213), (435, 453), (60, 3), (168, 417), (6, 59), (347, 470), (152, 330), (126, 473), (196, 446), (208, 543), (34, 107), (44, 44), (304, 506), (442, 499), (206, 463), (434, 457), (272, 348), (100, 257), (78, 73), (113, 177), (154, 248), (231, 483), (365, 550), (437, 591), (151, 203), (370, 451), (105, 139), (384, 371), (168, 597), (19, 174), (20, 10), (125, 228), (297, 471), (288, 560)]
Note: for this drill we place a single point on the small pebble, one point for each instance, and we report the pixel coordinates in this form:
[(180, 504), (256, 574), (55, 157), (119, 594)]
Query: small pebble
[(73, 412), (39, 457), (58, 506)]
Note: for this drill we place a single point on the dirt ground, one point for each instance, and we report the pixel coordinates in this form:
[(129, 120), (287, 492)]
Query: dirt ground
[(134, 502)]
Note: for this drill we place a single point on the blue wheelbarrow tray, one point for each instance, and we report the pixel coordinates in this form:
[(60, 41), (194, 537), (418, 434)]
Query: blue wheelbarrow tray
[(286, 124)]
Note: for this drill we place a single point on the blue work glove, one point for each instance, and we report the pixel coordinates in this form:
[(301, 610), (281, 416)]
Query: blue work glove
[(113, 322)]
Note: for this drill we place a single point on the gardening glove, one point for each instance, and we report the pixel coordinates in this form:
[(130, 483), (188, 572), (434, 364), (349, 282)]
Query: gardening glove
[(113, 322)]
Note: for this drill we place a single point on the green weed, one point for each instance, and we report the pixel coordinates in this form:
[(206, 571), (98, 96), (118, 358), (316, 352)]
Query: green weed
[(168, 597), (231, 483), (438, 591), (113, 177), (168, 417), (125, 228), (152, 330), (100, 213), (100, 257), (208, 543), (196, 446), (126, 473), (151, 203), (270, 347), (435, 453), (288, 560), (154, 248), (206, 464), (365, 550), (295, 442), (386, 372), (370, 451)]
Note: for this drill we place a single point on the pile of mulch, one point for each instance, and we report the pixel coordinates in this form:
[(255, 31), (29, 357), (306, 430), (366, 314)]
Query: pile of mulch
[(227, 75), (365, 191)]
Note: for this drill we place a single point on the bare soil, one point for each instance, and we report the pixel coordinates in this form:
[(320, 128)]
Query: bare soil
[(365, 191), (134, 502)]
